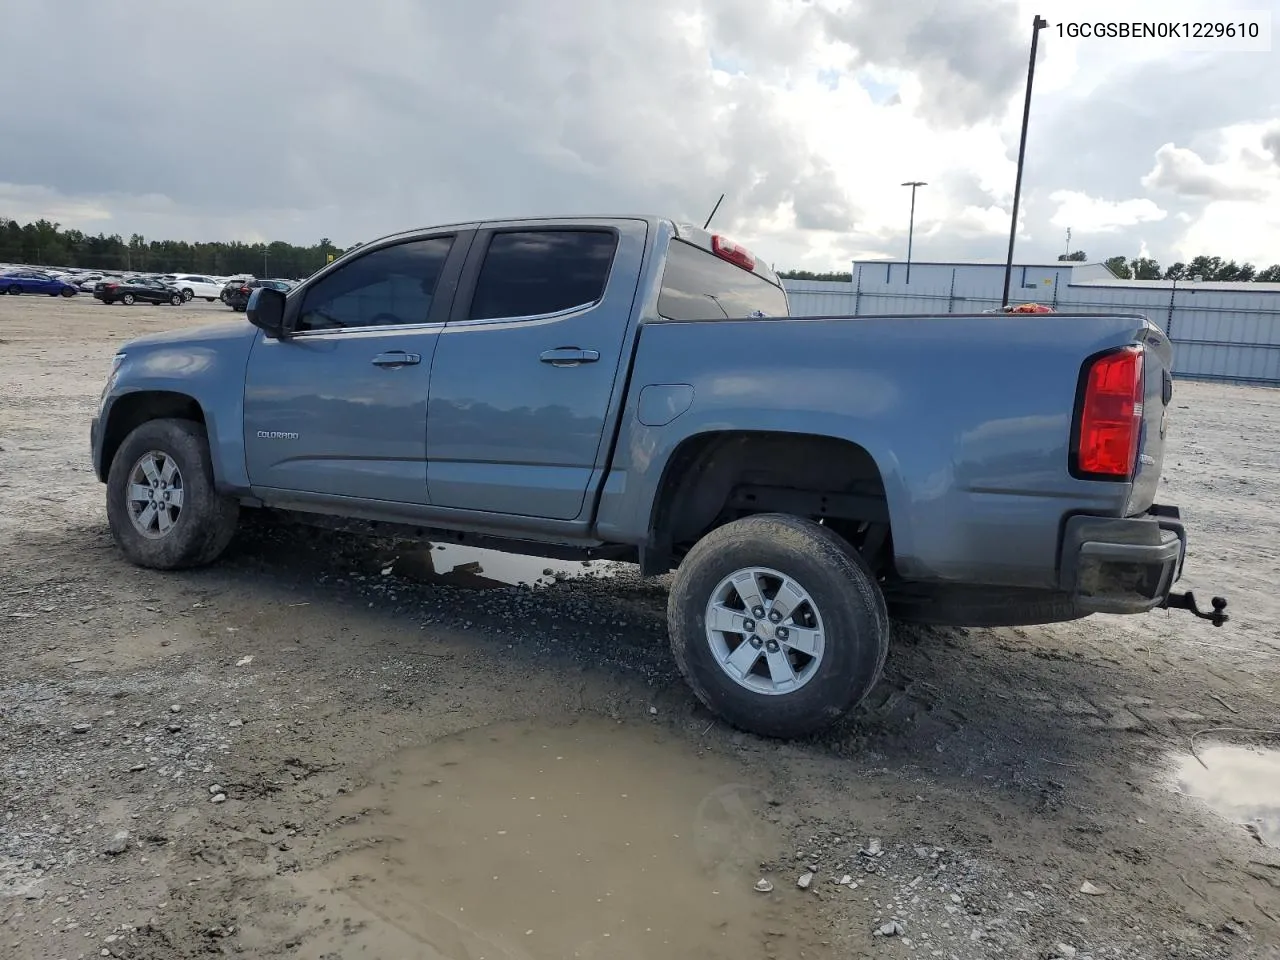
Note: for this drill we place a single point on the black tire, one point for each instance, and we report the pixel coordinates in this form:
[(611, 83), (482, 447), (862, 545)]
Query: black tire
[(238, 309), (14, 290), (210, 299), (69, 292), (855, 620), (188, 293), (177, 300), (957, 606), (207, 520), (127, 299)]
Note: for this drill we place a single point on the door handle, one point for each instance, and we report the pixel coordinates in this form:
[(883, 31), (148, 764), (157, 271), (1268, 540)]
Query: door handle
[(569, 356), (396, 358)]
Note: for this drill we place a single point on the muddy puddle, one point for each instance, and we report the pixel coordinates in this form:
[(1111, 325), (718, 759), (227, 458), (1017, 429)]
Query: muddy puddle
[(596, 840), (480, 569), (1240, 783)]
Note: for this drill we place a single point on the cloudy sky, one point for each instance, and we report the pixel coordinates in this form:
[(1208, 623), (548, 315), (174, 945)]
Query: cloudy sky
[(295, 120)]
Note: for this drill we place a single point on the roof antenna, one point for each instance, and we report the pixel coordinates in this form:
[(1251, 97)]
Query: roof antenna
[(713, 211)]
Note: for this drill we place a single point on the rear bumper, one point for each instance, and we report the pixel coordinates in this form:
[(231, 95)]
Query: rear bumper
[(1122, 564)]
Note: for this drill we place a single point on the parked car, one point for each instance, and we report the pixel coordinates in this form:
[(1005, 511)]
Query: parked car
[(236, 293), (146, 291), (36, 281), (193, 285), (634, 389), (87, 282)]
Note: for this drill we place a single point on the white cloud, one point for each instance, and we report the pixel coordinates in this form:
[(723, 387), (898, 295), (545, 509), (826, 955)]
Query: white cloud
[(1236, 192), (1183, 172), (391, 113), (1088, 214)]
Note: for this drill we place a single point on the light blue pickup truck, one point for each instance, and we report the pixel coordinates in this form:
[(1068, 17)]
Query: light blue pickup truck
[(635, 389)]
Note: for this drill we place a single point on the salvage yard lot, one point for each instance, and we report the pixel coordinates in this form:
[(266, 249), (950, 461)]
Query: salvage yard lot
[(321, 746)]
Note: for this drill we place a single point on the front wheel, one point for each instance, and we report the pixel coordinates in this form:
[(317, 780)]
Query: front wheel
[(176, 300), (127, 299), (778, 625), (14, 290), (68, 292), (162, 506)]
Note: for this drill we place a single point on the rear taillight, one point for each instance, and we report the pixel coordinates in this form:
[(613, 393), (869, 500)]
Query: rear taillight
[(735, 254), (1110, 424), (244, 289)]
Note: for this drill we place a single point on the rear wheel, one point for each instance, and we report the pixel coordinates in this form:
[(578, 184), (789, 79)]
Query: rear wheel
[(188, 293), (210, 299), (777, 624), (162, 506), (13, 290), (127, 299)]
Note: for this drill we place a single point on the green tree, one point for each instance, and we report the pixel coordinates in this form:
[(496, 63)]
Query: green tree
[(1119, 266), (1078, 255), (1269, 275), (1144, 268)]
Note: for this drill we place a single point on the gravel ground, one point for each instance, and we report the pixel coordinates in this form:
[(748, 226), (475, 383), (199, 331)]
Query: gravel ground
[(295, 753)]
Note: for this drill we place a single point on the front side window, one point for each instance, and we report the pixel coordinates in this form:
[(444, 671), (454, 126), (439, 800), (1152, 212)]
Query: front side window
[(533, 272), (391, 286)]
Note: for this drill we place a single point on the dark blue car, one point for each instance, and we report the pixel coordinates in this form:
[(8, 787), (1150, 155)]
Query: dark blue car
[(35, 281)]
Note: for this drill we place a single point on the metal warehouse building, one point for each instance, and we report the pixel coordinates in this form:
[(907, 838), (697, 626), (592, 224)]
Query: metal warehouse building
[(1220, 331)]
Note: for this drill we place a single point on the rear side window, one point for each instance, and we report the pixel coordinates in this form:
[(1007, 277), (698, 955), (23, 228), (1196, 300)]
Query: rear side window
[(533, 272), (697, 285)]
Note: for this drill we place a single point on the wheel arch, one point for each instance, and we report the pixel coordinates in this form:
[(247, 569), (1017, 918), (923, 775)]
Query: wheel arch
[(131, 410), (712, 475)]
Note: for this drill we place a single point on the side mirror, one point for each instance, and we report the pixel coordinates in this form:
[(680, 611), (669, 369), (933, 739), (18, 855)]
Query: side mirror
[(265, 310)]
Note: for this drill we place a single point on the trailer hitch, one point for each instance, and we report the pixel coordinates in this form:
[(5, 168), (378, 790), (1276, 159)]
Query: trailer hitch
[(1187, 601)]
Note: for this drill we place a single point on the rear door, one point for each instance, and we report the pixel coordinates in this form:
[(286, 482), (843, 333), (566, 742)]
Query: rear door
[(339, 408), (526, 369)]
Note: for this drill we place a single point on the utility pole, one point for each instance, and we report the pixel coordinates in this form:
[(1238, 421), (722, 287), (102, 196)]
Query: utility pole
[(1037, 24), (911, 223)]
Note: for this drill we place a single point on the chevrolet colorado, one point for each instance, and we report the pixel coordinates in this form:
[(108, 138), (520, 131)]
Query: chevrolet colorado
[(633, 388)]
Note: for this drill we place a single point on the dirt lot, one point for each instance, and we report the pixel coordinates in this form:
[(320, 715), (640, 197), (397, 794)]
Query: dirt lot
[(327, 748)]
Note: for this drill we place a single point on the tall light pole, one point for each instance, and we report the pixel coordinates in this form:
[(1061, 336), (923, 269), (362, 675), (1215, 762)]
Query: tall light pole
[(1037, 24), (911, 224)]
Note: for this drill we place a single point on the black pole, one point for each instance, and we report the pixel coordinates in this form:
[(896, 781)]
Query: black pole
[(911, 223), (713, 212), (1037, 25)]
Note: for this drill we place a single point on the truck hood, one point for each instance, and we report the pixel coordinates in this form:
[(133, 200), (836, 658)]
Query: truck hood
[(206, 335)]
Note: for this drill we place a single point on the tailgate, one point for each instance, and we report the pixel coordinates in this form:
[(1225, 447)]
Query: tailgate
[(1158, 380)]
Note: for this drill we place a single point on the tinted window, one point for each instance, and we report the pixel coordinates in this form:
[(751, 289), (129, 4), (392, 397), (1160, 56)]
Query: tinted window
[(697, 285), (388, 286), (542, 271)]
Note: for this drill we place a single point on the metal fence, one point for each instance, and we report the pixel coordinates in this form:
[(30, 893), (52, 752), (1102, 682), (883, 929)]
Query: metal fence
[(1217, 335)]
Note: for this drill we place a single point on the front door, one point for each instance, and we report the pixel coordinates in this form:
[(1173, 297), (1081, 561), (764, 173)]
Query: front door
[(526, 368), (339, 405)]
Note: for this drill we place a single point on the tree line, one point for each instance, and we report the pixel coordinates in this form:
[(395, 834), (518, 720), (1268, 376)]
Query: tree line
[(1140, 268), (46, 244), (1204, 267)]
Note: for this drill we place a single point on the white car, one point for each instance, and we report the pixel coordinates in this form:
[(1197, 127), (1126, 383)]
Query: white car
[(195, 285)]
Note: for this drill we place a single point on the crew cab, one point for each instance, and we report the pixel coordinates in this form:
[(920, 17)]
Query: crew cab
[(633, 388)]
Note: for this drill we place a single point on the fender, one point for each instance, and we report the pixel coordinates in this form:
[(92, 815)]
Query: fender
[(207, 365)]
